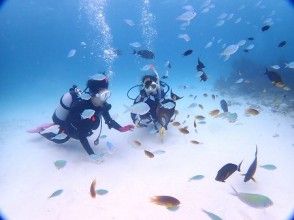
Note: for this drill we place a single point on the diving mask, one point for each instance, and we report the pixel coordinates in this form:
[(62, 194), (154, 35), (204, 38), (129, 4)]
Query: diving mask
[(150, 86)]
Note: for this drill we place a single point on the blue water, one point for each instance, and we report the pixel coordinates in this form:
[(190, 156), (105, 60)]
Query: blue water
[(37, 35)]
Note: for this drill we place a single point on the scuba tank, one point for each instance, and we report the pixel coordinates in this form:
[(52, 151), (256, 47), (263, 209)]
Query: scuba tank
[(63, 108)]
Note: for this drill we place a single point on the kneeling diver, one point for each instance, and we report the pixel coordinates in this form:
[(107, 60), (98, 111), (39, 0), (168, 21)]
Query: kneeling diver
[(153, 92), (68, 115)]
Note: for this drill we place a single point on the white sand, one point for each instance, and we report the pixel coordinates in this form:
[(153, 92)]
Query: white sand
[(28, 175)]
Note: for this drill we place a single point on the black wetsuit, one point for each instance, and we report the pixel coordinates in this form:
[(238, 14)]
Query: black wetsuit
[(152, 101), (80, 128)]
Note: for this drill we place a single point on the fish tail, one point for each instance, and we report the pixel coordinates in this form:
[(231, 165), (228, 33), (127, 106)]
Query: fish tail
[(235, 191), (239, 167), (256, 151), (203, 210)]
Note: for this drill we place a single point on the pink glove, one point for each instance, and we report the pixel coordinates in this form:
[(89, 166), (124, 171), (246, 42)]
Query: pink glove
[(126, 128)]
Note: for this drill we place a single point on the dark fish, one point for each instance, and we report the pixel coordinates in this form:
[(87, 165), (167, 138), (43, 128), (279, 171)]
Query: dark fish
[(251, 111), (184, 130), (213, 97), (187, 52), (273, 76), (226, 171), (199, 117), (200, 65), (168, 65), (246, 50), (176, 123), (147, 54), (92, 189), (205, 94), (148, 154), (167, 201), (137, 143), (265, 28), (252, 169), (203, 77), (282, 43), (174, 96), (250, 38), (164, 77), (214, 113), (194, 124), (224, 105)]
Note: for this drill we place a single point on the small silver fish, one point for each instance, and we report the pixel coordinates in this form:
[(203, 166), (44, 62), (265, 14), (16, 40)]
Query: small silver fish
[(101, 192), (197, 177), (158, 152), (211, 215), (60, 164), (269, 167), (56, 193)]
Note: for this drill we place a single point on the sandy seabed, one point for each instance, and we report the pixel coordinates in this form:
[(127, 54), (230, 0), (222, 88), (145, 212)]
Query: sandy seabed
[(28, 175)]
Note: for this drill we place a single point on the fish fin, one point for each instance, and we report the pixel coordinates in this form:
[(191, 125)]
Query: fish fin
[(127, 109), (226, 57), (243, 174), (253, 179), (239, 167), (235, 191)]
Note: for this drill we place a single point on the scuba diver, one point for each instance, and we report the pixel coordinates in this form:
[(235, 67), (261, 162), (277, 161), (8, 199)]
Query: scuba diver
[(153, 92), (68, 115)]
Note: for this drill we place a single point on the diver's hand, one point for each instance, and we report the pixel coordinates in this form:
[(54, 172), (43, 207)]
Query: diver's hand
[(126, 128)]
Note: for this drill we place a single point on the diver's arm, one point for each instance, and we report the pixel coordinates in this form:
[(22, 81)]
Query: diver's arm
[(107, 118)]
